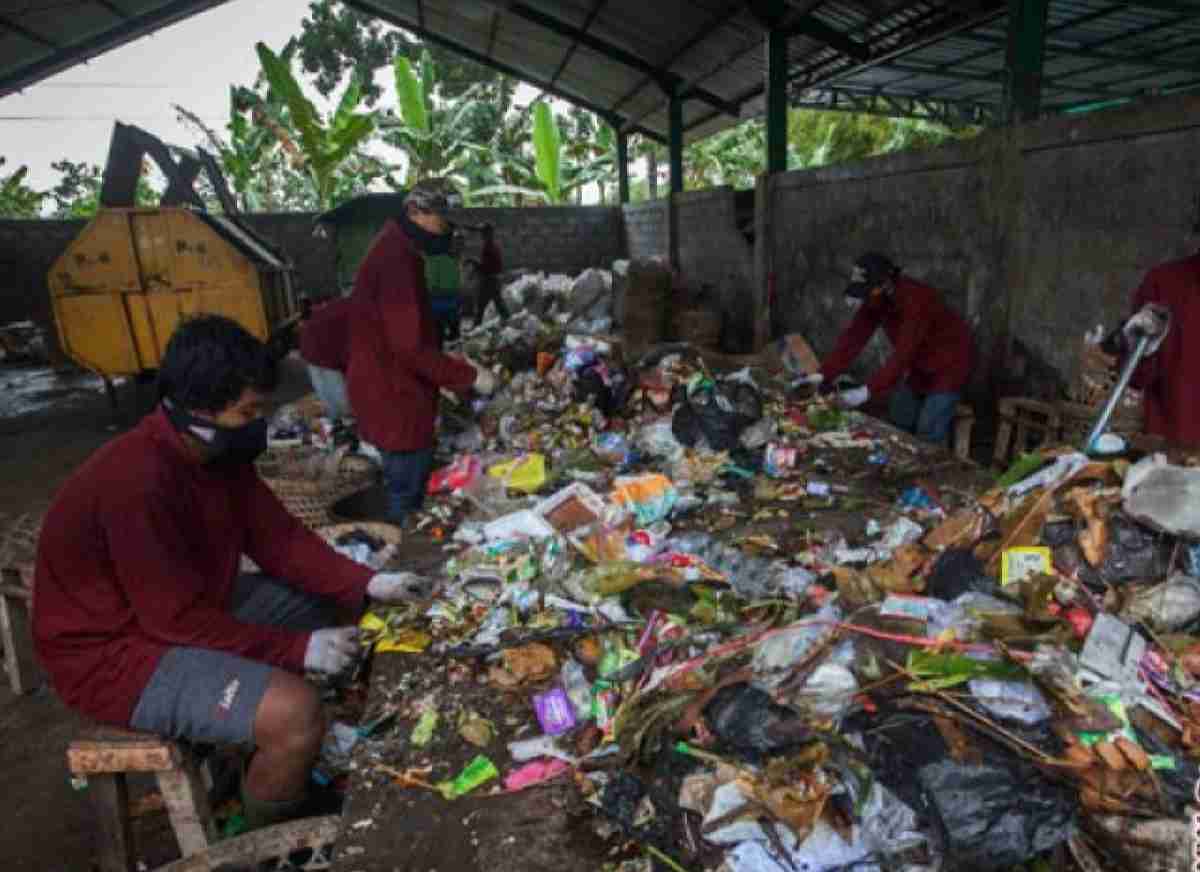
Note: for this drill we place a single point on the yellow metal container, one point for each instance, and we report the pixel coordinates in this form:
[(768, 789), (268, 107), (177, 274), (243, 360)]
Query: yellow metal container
[(124, 284)]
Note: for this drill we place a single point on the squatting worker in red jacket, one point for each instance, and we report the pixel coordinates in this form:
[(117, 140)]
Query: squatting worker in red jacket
[(1167, 307), (325, 347), (140, 615), (931, 348), (396, 369)]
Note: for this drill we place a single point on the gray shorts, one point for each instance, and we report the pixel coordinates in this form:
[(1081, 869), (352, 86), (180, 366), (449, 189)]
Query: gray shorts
[(210, 696)]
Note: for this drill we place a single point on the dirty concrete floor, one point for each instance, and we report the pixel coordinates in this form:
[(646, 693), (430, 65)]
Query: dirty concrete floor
[(49, 424)]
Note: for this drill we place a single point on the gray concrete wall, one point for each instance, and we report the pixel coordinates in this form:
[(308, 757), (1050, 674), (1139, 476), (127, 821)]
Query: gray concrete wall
[(715, 257), (565, 239), (647, 230)]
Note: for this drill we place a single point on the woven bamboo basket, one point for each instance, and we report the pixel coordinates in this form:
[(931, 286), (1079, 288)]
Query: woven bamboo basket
[(309, 481), (387, 533), (18, 545)]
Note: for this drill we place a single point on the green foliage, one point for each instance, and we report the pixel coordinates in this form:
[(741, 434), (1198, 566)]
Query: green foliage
[(547, 148), (317, 147), (17, 199), (336, 40)]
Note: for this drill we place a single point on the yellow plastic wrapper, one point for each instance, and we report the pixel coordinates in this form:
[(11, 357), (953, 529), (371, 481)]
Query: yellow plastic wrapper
[(402, 640), (526, 474)]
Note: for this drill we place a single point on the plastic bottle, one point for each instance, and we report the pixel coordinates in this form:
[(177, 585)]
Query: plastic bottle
[(578, 688)]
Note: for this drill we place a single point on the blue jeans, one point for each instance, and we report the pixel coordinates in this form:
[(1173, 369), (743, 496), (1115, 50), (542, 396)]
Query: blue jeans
[(330, 386), (406, 474), (928, 416)]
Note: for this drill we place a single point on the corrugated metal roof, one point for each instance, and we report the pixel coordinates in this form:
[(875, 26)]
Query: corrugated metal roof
[(944, 58)]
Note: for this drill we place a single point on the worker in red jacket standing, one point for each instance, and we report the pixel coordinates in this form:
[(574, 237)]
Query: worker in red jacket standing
[(395, 369), (489, 266), (931, 349), (325, 347), (1167, 307), (140, 614)]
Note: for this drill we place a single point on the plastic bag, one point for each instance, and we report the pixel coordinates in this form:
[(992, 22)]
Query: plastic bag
[(526, 474), (996, 817), (716, 413), (649, 498), (748, 720)]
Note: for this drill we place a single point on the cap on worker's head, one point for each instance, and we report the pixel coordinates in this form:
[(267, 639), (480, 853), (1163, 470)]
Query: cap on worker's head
[(438, 196), (870, 271)]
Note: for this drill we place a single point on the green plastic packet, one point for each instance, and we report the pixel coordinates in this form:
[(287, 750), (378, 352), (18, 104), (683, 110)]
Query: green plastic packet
[(423, 732), (1024, 466), (479, 771), (939, 671)]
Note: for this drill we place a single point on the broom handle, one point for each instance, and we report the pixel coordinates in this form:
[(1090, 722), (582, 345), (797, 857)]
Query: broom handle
[(1118, 390)]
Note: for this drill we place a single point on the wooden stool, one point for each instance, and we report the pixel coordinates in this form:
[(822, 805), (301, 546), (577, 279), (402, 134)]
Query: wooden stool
[(16, 634), (964, 423), (104, 755), (1020, 419)]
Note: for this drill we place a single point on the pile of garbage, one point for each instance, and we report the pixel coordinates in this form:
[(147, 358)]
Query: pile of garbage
[(754, 632)]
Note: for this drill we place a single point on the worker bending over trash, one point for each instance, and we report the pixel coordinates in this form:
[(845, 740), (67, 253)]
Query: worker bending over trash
[(1167, 309), (141, 614), (395, 369), (931, 349)]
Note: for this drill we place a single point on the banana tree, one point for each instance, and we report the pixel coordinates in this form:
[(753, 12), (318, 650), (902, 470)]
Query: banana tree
[(318, 147), (436, 138)]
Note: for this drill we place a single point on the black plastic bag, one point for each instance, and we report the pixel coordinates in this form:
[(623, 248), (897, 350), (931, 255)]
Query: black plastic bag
[(996, 817), (748, 720), (958, 571), (718, 414)]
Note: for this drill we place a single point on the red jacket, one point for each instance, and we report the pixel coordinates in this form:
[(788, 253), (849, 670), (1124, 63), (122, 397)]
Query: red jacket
[(931, 343), (139, 552), (395, 367), (325, 336), (1169, 377)]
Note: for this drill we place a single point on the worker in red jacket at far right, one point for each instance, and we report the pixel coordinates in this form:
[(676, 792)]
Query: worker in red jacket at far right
[(396, 370), (931, 349), (1167, 307)]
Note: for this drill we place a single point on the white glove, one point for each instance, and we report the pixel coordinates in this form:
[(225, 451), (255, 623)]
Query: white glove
[(1151, 320), (854, 397), (398, 587), (811, 379), (332, 650)]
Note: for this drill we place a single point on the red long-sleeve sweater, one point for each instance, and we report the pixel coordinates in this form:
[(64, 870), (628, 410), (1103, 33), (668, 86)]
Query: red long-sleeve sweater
[(1172, 398), (140, 551), (931, 343), (395, 367), (325, 336)]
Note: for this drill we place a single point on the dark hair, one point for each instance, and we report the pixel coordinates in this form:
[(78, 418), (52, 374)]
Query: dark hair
[(210, 361)]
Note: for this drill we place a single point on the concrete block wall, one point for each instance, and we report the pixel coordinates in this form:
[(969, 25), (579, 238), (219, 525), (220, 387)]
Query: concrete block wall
[(566, 239), (715, 256), (647, 231)]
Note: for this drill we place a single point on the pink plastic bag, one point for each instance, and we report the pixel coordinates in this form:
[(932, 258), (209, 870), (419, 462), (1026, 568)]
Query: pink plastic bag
[(534, 772)]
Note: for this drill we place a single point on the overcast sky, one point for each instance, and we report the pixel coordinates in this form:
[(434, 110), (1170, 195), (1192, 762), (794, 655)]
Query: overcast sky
[(192, 63)]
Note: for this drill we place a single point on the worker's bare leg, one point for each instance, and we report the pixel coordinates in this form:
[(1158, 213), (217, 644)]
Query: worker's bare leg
[(288, 729)]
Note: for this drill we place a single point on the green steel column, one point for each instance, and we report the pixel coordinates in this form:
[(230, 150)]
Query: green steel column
[(1026, 51), (777, 100), (676, 141), (623, 165)]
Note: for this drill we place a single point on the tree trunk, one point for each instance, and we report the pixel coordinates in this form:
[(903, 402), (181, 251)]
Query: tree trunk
[(652, 173)]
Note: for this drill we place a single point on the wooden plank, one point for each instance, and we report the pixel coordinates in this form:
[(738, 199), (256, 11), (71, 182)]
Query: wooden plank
[(109, 795), (186, 798), (16, 634), (85, 757)]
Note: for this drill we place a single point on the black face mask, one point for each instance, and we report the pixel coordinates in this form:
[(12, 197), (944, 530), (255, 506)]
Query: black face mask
[(223, 446), (431, 244)]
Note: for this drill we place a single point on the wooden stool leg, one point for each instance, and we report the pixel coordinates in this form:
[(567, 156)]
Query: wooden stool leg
[(1003, 435), (16, 634), (110, 798), (962, 438), (187, 804)]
